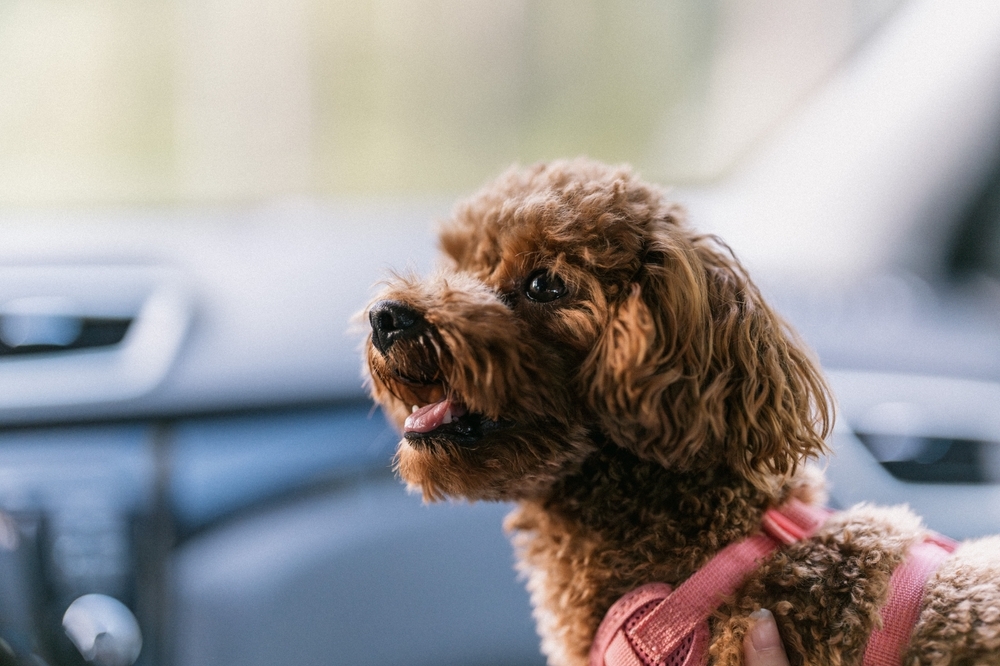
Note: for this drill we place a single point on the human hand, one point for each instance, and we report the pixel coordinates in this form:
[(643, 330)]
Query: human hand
[(762, 645)]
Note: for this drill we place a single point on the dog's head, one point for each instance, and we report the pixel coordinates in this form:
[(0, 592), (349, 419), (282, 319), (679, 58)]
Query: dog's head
[(577, 307)]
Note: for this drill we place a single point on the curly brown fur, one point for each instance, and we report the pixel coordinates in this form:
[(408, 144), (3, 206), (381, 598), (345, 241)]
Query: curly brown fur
[(619, 376), (825, 592), (618, 520), (960, 622)]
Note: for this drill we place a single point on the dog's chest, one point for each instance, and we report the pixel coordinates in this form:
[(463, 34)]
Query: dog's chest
[(581, 556), (620, 524)]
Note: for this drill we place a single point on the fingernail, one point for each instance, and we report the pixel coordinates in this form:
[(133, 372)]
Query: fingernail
[(764, 633)]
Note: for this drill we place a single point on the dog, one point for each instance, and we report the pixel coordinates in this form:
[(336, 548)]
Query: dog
[(586, 354)]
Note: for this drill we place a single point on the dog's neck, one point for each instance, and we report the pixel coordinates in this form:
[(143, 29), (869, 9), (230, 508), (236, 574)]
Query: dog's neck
[(618, 522), (628, 505)]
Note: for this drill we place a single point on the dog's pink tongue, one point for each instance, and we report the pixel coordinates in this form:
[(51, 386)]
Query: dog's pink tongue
[(433, 416)]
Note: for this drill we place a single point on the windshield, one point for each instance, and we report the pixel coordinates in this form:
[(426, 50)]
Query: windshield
[(116, 102)]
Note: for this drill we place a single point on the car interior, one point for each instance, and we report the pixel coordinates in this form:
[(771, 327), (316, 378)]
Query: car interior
[(184, 426)]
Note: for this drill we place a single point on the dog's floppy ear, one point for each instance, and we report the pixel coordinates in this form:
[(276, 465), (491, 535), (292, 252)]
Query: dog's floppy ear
[(694, 368)]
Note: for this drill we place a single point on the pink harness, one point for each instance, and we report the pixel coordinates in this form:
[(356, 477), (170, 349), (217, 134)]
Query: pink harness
[(656, 626)]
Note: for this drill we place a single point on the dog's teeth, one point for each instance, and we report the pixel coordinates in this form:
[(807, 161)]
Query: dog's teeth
[(447, 417), (415, 408)]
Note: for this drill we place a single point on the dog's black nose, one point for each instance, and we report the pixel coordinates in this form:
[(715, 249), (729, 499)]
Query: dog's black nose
[(392, 321)]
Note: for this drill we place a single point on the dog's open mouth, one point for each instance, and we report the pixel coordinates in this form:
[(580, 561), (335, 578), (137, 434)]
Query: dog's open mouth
[(437, 413), (448, 419)]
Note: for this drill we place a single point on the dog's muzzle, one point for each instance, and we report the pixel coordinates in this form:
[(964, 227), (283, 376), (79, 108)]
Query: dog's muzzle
[(393, 321)]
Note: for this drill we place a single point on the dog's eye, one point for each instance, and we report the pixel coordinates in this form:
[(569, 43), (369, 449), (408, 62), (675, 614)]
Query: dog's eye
[(544, 287)]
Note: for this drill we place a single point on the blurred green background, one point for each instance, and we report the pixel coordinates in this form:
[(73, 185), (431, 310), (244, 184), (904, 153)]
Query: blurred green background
[(159, 102)]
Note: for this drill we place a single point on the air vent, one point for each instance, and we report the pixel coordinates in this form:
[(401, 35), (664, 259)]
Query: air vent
[(44, 334), (935, 459), (76, 335)]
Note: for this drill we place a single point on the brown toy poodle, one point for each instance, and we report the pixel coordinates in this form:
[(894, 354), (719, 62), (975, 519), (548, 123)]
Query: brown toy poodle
[(586, 354)]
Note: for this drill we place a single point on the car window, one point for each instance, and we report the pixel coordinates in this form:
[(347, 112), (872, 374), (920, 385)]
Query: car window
[(114, 102)]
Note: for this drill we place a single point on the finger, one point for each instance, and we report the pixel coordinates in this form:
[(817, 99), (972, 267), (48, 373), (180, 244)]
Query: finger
[(762, 644)]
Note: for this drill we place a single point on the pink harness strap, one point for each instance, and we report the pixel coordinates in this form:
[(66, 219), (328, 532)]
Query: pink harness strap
[(906, 589), (655, 626), (673, 631)]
